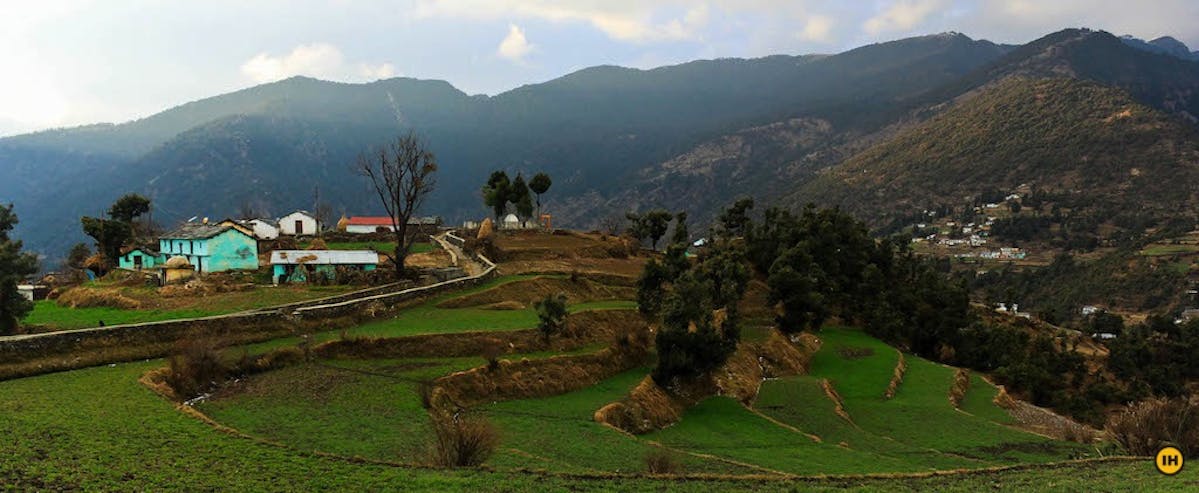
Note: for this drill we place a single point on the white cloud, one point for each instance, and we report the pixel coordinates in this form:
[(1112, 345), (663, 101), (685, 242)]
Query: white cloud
[(622, 20), (817, 28), (320, 60), (901, 16), (515, 45), (375, 72)]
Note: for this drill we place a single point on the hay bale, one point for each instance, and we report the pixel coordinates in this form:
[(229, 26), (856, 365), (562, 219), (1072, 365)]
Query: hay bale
[(317, 244), (178, 262), (486, 229), (81, 297)]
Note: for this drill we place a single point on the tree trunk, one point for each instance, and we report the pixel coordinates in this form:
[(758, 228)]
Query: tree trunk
[(401, 253)]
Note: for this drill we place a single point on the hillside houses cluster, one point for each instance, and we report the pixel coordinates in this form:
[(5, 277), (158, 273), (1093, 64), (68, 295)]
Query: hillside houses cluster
[(234, 245)]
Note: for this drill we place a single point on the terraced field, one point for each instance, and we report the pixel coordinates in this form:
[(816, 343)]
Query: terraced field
[(352, 423)]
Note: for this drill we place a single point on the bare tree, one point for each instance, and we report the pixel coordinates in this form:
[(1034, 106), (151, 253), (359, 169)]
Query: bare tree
[(402, 175)]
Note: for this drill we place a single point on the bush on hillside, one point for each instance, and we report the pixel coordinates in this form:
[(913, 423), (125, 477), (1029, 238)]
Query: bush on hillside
[(1145, 427), (195, 368), (660, 461), (551, 315), (462, 441)]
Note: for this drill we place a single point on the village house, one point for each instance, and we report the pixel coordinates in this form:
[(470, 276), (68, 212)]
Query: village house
[(33, 292), (299, 223), (262, 228), (367, 224), (382, 224), (299, 265), (211, 247), (138, 258)]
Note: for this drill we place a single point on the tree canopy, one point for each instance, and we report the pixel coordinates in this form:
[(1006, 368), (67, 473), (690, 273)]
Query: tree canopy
[(496, 194), (15, 266), (402, 175)]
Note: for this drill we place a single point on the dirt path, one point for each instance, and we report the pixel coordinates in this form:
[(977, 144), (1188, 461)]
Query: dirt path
[(458, 257)]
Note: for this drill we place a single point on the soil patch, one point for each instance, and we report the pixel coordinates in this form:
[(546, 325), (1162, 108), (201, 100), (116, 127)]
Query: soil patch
[(529, 291)]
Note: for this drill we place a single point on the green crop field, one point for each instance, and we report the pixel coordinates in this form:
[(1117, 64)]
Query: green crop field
[(533, 429), (922, 399), (99, 429), (1162, 249)]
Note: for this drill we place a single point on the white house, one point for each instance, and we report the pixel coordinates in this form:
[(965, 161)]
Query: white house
[(262, 228), (299, 223), (369, 224)]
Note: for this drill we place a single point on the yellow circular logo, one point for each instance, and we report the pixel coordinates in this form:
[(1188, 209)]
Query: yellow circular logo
[(1168, 461)]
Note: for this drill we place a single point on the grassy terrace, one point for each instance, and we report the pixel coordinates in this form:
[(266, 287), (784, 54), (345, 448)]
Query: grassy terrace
[(51, 315), (99, 429)]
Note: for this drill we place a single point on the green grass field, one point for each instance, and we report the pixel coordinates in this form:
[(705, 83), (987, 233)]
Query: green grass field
[(50, 315), (1162, 249), (116, 435), (99, 429), (533, 429), (923, 399)]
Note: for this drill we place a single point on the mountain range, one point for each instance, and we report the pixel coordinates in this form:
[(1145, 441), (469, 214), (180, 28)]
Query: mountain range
[(862, 129)]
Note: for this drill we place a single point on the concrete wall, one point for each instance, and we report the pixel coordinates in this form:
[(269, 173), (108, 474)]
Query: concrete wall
[(364, 229)]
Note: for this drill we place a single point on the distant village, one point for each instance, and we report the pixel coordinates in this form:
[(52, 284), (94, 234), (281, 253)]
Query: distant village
[(201, 246)]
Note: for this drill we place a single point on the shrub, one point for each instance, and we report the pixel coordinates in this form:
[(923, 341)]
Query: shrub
[(551, 315), (196, 367), (660, 461), (462, 441), (1145, 427)]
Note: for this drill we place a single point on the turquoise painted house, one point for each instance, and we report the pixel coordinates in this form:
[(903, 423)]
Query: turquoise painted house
[(211, 247), (139, 258), (300, 265)]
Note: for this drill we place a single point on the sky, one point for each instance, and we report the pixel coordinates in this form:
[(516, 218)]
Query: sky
[(73, 62)]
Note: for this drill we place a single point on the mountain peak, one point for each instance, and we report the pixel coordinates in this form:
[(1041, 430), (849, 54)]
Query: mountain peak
[(1166, 45)]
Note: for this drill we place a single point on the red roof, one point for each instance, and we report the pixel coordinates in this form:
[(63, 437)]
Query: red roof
[(369, 221)]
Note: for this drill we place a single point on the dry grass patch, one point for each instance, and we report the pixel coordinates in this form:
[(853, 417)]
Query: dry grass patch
[(85, 297), (529, 291), (662, 461), (462, 441), (1145, 427), (901, 367), (961, 385)]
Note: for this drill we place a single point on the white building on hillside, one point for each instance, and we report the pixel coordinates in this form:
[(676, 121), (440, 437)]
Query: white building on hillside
[(262, 228), (299, 223)]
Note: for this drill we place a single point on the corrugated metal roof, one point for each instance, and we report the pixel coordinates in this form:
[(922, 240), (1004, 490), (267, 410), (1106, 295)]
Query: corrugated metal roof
[(323, 257)]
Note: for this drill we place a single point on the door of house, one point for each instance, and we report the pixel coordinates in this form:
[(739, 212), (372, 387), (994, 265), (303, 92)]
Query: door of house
[(299, 227), (137, 262)]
